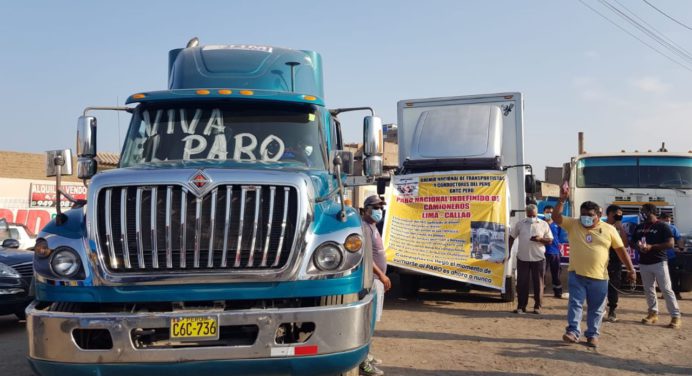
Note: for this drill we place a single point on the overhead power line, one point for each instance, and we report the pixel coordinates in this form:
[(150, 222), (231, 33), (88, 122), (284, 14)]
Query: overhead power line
[(667, 15), (661, 40), (681, 64)]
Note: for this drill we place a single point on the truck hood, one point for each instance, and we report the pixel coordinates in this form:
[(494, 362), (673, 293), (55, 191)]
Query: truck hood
[(322, 181)]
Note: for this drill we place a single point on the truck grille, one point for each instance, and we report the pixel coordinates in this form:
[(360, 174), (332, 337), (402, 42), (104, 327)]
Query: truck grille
[(167, 227), (634, 210)]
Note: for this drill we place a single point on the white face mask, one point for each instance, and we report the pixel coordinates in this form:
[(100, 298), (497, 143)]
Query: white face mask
[(308, 150)]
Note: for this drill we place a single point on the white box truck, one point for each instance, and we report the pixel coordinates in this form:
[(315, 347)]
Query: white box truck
[(461, 183)]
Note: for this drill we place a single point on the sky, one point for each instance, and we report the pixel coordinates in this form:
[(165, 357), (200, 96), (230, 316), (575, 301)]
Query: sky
[(577, 71)]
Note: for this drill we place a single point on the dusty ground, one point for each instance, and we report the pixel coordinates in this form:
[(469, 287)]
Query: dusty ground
[(449, 333)]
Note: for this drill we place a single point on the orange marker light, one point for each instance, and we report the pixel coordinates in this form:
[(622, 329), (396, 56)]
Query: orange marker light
[(309, 98), (138, 96), (247, 92), (225, 92), (202, 92)]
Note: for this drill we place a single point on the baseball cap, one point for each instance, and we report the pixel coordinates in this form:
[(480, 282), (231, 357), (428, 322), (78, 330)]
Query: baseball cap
[(373, 200)]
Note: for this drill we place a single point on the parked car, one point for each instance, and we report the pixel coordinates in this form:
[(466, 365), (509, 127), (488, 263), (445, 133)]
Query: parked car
[(27, 239), (8, 230), (16, 278)]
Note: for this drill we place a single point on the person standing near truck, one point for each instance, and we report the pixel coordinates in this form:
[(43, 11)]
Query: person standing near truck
[(533, 236), (590, 242), (614, 218), (372, 215), (652, 238), (552, 252), (674, 265)]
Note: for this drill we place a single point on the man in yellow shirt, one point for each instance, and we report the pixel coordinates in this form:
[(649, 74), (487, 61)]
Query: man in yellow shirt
[(589, 243)]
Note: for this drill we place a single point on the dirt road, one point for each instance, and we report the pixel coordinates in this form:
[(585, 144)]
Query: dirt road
[(459, 334)]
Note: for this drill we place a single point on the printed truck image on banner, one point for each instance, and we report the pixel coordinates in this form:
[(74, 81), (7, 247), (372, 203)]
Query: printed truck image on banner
[(451, 225)]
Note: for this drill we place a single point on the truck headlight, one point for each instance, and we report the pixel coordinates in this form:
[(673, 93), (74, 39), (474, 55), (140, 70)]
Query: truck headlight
[(328, 257), (8, 272), (65, 262)]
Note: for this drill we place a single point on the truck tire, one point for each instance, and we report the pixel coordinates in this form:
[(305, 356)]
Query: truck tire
[(510, 292), (409, 284)]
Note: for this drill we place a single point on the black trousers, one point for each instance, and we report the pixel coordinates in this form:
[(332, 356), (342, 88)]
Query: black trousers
[(615, 279), (552, 263), (674, 268), (530, 273)]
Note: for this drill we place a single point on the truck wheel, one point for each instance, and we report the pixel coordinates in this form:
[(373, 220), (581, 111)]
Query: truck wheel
[(510, 292), (410, 283)]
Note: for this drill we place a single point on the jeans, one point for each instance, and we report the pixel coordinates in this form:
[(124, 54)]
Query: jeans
[(615, 276), (530, 273), (552, 262), (658, 273), (594, 291)]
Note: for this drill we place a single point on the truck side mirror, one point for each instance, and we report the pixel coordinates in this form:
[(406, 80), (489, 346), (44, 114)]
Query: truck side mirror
[(58, 161), (530, 184), (86, 147), (373, 146)]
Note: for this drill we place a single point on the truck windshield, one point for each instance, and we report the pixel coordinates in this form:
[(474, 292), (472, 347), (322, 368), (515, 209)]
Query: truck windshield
[(244, 132), (635, 172)]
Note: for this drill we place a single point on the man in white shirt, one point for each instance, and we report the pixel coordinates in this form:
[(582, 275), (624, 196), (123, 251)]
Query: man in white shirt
[(533, 236)]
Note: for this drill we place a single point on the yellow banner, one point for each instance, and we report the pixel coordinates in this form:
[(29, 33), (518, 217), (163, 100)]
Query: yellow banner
[(451, 225)]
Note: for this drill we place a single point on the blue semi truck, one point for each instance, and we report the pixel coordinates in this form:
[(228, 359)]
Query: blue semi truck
[(221, 244)]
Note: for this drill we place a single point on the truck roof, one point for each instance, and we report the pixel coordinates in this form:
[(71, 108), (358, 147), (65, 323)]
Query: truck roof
[(246, 67), (637, 154), (221, 94)]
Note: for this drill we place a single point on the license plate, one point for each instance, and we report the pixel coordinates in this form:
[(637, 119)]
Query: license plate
[(195, 328)]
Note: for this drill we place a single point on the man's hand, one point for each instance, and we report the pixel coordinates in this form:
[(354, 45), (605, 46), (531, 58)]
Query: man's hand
[(386, 282), (632, 277), (564, 192)]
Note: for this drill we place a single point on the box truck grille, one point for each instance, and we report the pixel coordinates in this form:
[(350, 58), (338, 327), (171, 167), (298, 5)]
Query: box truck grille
[(168, 228), (634, 210)]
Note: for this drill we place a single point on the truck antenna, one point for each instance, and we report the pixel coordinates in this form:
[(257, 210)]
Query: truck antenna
[(293, 64), (663, 147)]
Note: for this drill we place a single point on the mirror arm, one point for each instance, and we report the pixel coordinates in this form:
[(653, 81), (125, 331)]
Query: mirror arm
[(337, 111), (60, 218)]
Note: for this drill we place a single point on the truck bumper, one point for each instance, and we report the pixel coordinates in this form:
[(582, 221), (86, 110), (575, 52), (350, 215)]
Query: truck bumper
[(339, 342)]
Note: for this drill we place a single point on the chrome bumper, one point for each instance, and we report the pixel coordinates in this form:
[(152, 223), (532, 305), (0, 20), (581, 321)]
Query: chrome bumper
[(338, 328)]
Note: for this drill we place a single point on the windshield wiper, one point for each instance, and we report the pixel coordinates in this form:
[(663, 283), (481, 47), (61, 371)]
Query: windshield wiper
[(604, 185), (663, 186)]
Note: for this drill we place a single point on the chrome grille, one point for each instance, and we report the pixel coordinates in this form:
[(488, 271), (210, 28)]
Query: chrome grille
[(167, 227), (26, 270)]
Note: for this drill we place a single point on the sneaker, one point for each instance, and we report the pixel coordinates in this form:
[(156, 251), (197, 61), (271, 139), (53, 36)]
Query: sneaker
[(536, 311), (570, 337), (373, 360), (612, 317), (368, 369), (650, 319), (675, 323), (678, 296), (592, 342), (519, 311)]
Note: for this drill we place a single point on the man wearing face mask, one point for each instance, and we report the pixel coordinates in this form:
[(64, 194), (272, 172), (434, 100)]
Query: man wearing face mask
[(590, 241), (552, 252), (614, 214), (653, 238), (372, 215), (533, 236)]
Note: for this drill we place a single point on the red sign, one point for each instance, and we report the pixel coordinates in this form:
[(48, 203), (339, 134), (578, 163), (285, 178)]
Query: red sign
[(43, 195)]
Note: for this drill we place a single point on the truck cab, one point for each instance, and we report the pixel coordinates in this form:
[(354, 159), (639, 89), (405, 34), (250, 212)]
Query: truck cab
[(221, 244)]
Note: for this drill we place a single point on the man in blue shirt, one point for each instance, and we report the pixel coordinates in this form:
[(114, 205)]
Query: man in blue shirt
[(614, 218), (552, 252), (673, 264)]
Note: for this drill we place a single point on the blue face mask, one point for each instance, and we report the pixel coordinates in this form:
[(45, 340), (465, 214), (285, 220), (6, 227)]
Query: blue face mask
[(376, 215), (586, 220), (547, 216)]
